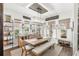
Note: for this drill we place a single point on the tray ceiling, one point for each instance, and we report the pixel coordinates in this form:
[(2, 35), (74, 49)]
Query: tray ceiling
[(38, 8)]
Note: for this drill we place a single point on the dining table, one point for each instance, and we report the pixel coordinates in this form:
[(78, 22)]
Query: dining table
[(35, 42)]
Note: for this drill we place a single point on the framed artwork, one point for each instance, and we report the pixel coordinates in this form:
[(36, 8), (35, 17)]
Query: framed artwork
[(7, 18), (65, 23), (63, 34)]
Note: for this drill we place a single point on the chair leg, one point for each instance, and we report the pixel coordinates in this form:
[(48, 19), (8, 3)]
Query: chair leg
[(22, 52), (25, 52)]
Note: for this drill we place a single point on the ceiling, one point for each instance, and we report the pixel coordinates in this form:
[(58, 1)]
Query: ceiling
[(52, 9), (47, 11), (22, 4)]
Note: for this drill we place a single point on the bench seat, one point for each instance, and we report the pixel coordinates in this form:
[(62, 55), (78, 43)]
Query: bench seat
[(42, 48)]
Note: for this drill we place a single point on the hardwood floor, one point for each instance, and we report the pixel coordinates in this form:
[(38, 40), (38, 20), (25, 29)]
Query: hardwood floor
[(77, 53), (66, 51), (53, 51), (57, 51)]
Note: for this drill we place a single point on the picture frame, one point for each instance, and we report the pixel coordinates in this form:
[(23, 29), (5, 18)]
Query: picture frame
[(64, 23)]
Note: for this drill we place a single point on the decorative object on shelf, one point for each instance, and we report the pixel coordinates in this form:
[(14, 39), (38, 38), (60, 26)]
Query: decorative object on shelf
[(8, 18), (8, 31), (8, 37)]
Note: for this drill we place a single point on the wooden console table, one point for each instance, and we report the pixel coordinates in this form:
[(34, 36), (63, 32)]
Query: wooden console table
[(64, 43)]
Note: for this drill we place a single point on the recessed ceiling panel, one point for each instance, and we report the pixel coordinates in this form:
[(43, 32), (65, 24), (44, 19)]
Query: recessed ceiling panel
[(38, 8)]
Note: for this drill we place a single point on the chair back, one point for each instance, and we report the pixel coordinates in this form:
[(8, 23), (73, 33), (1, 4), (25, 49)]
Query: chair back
[(21, 42)]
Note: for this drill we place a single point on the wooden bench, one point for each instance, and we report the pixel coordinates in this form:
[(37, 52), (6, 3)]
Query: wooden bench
[(42, 48)]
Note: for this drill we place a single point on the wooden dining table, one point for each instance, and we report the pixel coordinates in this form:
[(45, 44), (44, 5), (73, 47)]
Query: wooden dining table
[(35, 42)]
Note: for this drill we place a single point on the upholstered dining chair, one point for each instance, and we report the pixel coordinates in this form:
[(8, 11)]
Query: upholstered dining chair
[(25, 48)]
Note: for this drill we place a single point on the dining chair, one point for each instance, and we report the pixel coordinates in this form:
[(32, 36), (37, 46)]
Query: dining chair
[(25, 48)]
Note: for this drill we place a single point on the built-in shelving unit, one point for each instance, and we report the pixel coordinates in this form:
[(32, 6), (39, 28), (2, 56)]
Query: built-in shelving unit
[(8, 34)]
